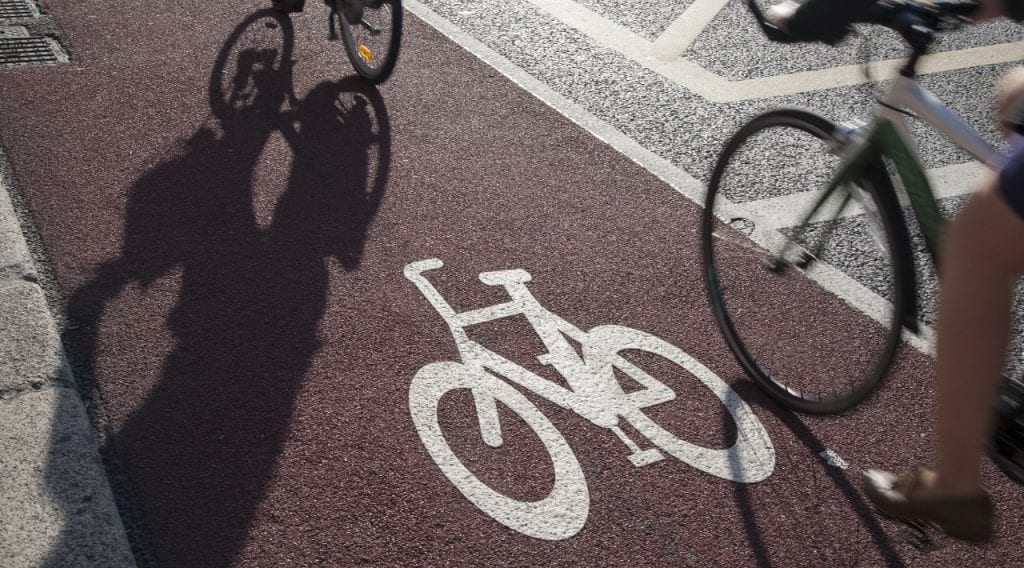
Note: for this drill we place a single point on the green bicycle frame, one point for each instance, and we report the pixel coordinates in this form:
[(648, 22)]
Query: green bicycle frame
[(888, 136), (885, 141), (862, 150)]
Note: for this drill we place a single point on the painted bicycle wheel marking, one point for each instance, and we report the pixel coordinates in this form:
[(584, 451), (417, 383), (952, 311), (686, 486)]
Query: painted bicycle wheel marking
[(594, 393)]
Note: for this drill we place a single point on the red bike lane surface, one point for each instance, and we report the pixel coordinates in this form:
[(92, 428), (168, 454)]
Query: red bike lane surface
[(234, 275)]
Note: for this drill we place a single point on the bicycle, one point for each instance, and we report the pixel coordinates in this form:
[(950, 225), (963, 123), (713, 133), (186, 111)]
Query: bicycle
[(797, 246), (372, 33), (593, 392)]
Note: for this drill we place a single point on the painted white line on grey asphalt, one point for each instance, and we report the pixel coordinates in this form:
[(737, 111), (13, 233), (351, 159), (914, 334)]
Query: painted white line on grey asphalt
[(682, 32), (664, 55), (956, 180), (788, 210), (845, 287)]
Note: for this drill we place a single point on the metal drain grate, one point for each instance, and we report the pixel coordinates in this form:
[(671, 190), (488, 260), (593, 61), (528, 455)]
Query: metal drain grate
[(16, 9), (27, 51)]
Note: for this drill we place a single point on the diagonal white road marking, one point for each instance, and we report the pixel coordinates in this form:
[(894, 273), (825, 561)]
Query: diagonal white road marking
[(664, 55)]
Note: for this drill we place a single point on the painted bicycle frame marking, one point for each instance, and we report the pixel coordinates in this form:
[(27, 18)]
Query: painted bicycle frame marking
[(594, 393)]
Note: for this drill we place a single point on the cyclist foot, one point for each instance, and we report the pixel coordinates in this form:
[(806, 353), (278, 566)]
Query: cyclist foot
[(910, 499)]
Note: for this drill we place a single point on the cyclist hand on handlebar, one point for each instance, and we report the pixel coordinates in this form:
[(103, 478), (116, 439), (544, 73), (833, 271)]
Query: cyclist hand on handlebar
[(829, 21)]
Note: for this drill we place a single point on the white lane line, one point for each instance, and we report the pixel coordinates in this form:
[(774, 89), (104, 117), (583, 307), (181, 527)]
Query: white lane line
[(681, 34), (681, 181), (788, 210), (830, 278), (956, 180)]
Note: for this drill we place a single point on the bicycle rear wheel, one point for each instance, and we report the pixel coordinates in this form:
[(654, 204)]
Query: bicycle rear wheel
[(372, 41), (811, 308)]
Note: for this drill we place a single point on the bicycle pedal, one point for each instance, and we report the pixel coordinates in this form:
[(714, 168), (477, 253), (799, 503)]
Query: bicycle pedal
[(646, 457)]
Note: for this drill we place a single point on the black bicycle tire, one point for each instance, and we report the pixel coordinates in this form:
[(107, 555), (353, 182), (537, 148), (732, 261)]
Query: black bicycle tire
[(879, 186), (381, 74)]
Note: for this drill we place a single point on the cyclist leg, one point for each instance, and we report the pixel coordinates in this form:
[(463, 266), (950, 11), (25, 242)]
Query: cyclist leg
[(979, 267), (982, 262), (982, 259)]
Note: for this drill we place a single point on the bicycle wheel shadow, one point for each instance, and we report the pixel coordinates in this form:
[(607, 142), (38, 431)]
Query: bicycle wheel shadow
[(792, 421), (192, 459)]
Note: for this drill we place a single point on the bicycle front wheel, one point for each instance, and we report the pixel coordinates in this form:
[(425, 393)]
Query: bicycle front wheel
[(811, 305), (372, 40)]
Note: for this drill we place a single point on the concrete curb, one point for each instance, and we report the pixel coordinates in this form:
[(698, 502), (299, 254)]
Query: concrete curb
[(58, 508)]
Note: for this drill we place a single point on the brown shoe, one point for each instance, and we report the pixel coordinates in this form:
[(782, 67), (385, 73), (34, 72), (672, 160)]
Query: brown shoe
[(905, 499)]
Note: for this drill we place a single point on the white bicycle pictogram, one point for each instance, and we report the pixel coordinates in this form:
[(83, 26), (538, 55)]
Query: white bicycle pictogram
[(594, 393)]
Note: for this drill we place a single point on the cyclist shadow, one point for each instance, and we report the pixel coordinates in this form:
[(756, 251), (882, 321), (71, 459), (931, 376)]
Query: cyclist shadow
[(194, 460), (867, 517)]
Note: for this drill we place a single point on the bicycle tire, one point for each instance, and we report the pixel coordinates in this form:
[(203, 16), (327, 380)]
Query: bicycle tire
[(559, 515), (373, 43), (813, 348), (751, 456)]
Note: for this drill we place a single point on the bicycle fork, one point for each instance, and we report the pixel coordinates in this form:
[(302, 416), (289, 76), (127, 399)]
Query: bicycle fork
[(352, 11), (850, 142)]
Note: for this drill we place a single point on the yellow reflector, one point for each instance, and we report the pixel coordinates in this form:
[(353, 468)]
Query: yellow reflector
[(365, 53)]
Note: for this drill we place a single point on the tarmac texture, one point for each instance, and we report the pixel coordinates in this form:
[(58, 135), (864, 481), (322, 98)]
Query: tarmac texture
[(236, 227)]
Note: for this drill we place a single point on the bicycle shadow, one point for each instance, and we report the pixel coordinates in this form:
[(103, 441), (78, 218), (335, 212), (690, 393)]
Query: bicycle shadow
[(865, 514), (192, 462)]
